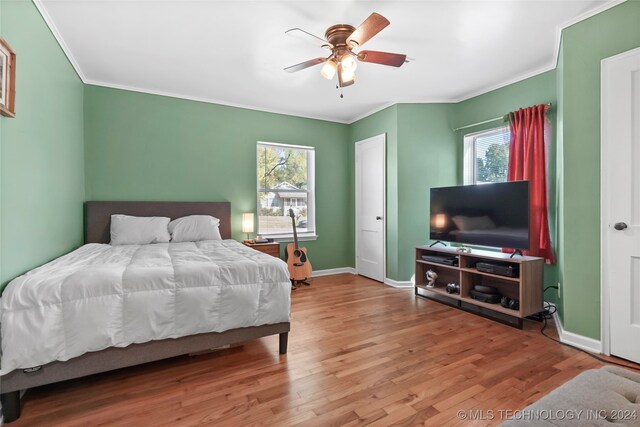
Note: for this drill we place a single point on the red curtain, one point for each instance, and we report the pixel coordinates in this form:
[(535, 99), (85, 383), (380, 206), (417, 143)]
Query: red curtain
[(528, 162)]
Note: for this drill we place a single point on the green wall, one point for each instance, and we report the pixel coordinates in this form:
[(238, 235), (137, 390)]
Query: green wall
[(427, 157), (539, 89), (535, 90), (584, 45), (148, 147), (41, 169)]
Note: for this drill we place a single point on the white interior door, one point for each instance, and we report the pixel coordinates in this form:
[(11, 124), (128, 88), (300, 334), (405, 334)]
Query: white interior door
[(370, 207), (621, 204)]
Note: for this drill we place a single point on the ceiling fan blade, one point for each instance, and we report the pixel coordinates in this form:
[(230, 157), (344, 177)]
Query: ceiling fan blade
[(342, 82), (309, 37), (384, 58), (369, 28), (305, 64)]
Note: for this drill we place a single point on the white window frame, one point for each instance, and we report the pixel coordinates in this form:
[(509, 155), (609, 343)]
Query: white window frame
[(469, 162), (310, 234)]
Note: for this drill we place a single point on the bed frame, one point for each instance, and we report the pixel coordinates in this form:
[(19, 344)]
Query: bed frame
[(97, 230)]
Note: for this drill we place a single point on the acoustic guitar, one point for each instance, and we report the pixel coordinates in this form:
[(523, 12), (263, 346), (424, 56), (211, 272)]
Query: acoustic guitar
[(297, 260)]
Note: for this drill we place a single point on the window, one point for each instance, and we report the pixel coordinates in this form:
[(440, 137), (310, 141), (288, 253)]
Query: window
[(486, 156), (285, 181)]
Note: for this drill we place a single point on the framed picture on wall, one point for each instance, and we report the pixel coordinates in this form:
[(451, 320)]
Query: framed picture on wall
[(7, 79)]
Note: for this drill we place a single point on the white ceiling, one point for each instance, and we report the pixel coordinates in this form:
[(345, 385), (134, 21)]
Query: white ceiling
[(234, 52)]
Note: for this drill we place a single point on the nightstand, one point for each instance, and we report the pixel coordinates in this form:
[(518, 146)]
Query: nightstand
[(272, 249)]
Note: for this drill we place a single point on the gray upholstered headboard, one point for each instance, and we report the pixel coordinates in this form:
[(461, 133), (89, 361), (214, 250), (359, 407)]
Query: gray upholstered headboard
[(97, 217)]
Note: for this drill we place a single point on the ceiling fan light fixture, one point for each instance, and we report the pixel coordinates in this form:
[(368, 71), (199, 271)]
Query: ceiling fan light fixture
[(328, 70), (348, 63), (341, 39), (348, 74)]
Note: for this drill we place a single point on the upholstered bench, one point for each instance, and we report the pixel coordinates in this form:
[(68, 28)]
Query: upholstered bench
[(598, 397)]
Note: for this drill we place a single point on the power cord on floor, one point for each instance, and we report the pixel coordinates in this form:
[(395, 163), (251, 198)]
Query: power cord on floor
[(547, 314)]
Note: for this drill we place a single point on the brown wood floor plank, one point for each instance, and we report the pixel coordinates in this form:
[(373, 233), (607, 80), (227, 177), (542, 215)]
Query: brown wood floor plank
[(360, 353)]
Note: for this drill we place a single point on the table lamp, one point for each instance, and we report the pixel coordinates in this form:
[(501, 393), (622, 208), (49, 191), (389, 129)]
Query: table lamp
[(247, 223)]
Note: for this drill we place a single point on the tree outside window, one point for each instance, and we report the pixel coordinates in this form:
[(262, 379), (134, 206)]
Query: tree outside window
[(486, 156), (285, 182)]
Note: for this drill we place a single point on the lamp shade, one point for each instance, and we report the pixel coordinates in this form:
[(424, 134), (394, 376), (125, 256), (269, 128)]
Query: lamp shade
[(348, 63), (328, 70), (247, 222)]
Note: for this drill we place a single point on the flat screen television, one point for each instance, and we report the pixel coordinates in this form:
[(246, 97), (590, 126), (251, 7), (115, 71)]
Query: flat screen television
[(486, 214)]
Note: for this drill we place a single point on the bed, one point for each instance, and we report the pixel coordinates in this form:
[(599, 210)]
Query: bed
[(106, 307)]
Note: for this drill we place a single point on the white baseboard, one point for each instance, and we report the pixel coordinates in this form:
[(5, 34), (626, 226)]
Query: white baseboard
[(351, 270), (331, 271), (398, 283), (575, 340)]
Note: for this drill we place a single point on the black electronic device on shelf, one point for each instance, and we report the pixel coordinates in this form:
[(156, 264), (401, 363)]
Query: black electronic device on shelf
[(441, 259), (510, 303), (501, 269), (452, 288), (487, 294)]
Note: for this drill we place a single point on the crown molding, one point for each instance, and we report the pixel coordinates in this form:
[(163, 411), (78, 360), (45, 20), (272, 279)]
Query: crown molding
[(586, 15), (550, 66), (56, 34), (505, 83), (391, 104), (210, 101), (371, 112), (74, 63)]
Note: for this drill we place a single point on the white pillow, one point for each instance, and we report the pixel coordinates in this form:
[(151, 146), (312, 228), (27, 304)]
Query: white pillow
[(139, 230), (194, 228), (466, 223)]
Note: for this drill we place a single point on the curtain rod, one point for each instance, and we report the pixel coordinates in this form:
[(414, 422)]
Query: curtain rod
[(548, 104)]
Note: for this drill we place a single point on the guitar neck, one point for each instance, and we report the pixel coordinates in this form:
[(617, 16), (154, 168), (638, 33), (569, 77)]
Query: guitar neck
[(295, 233)]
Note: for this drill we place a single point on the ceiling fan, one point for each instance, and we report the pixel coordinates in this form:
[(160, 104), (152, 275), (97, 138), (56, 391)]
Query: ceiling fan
[(341, 39)]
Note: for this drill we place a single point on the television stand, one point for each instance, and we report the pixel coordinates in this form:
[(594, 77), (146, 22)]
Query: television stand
[(436, 242), (516, 252), (526, 287)]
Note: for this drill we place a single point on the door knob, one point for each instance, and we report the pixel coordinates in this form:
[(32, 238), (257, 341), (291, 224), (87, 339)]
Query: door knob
[(620, 226), (379, 218)]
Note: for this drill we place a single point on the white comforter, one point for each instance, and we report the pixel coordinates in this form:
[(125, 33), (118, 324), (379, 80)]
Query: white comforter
[(101, 296)]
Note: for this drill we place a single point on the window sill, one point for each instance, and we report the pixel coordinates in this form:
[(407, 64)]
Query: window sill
[(289, 237)]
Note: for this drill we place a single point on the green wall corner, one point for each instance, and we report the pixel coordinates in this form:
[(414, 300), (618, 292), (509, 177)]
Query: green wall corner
[(41, 169)]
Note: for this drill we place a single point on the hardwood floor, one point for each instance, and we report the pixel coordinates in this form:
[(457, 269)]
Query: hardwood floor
[(360, 353)]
